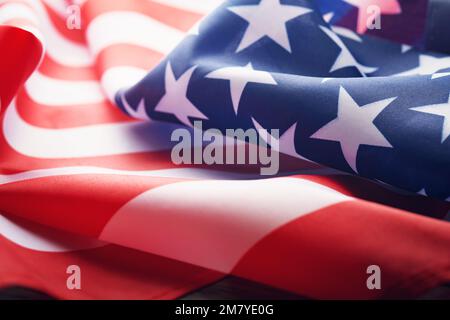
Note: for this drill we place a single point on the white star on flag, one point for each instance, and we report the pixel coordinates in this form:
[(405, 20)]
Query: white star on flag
[(354, 118), (429, 65), (406, 48), (443, 110), (268, 18), (440, 75), (139, 113), (345, 58), (286, 143), (175, 101), (342, 32), (239, 77)]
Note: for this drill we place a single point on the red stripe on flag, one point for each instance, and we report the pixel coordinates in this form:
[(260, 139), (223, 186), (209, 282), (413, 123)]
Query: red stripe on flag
[(326, 254)]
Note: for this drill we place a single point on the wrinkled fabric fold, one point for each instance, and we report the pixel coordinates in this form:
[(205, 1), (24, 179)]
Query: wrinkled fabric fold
[(73, 161)]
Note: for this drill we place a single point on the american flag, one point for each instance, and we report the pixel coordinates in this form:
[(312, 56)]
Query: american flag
[(85, 147)]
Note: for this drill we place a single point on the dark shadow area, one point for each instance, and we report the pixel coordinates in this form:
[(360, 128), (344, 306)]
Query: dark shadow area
[(229, 288)]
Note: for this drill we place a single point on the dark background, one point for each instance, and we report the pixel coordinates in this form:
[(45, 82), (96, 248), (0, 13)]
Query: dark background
[(230, 288)]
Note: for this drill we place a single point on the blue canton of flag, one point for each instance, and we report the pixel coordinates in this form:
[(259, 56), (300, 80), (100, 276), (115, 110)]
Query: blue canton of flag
[(355, 103)]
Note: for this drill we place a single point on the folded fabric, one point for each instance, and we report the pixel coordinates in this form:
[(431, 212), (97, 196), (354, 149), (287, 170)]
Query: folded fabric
[(357, 104), (84, 184)]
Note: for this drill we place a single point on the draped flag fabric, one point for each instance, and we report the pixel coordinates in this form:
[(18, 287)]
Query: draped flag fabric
[(87, 180)]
